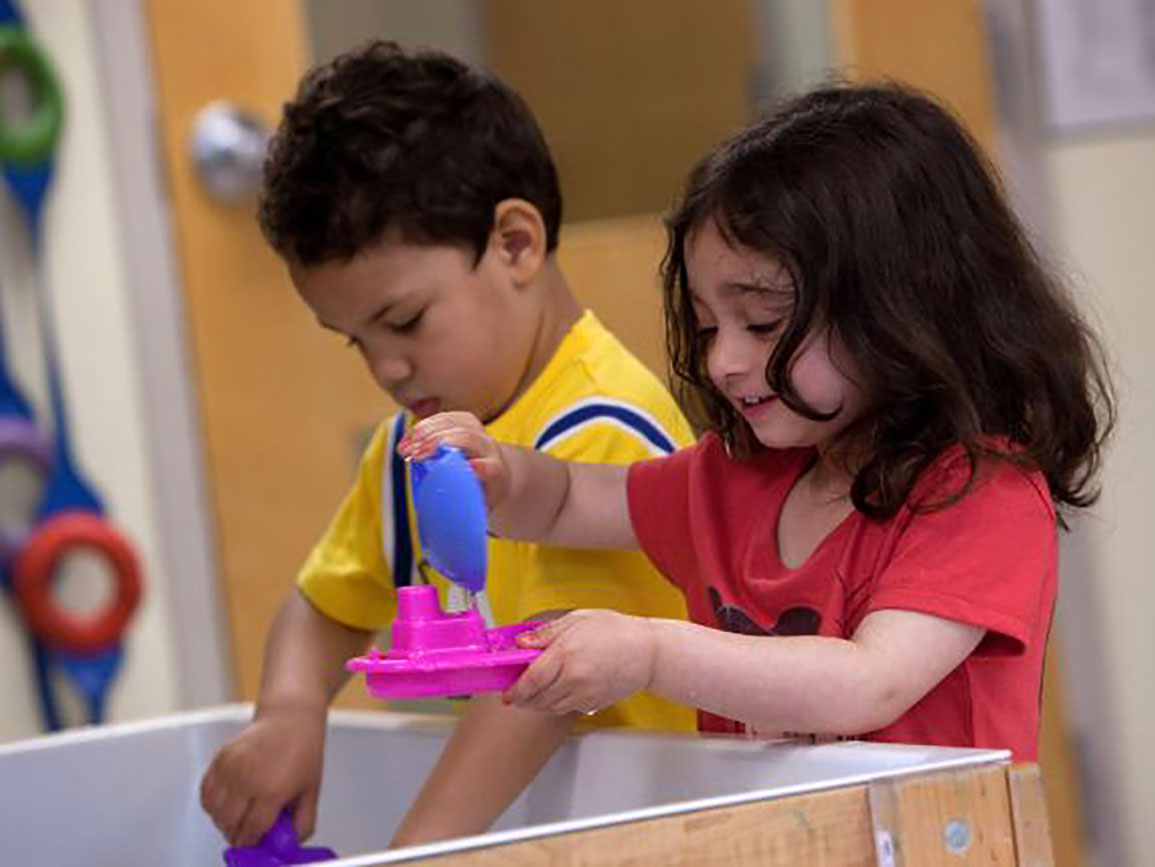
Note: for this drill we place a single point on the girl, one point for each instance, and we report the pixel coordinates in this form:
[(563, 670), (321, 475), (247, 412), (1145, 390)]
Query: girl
[(898, 400)]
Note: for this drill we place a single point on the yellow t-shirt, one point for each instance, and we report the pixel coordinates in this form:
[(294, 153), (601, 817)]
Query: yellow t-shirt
[(593, 402)]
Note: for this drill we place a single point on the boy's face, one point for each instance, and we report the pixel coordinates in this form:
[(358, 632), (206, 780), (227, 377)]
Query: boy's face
[(436, 332), (743, 301)]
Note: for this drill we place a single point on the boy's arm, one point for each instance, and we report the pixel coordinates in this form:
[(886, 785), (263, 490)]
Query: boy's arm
[(305, 655), (495, 751), (276, 761)]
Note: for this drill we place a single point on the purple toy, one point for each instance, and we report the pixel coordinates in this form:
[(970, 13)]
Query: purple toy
[(277, 847), (434, 653)]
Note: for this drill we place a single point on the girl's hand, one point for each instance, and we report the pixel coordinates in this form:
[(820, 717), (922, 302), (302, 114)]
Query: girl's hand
[(464, 431), (591, 659)]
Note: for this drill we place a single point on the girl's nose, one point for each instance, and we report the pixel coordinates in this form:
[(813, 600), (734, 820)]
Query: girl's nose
[(729, 357)]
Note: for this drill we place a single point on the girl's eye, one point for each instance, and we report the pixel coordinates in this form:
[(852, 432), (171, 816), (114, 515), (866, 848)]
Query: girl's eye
[(409, 324), (707, 332), (764, 327)]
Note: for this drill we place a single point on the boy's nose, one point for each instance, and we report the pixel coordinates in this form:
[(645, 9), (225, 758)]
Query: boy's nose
[(391, 370)]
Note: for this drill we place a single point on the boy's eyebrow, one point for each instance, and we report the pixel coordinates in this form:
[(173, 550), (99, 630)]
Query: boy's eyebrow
[(375, 317)]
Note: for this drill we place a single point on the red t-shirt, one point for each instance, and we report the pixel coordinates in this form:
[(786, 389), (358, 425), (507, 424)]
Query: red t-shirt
[(709, 523)]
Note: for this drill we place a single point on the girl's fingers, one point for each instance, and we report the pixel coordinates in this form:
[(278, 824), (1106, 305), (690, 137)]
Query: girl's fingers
[(539, 676), (434, 429), (564, 703), (419, 447), (550, 632), (559, 698), (543, 636)]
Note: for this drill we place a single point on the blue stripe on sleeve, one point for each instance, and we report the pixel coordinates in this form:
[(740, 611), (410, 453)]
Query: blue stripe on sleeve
[(631, 418)]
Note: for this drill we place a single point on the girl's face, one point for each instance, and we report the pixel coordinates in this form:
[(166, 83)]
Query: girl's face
[(742, 301)]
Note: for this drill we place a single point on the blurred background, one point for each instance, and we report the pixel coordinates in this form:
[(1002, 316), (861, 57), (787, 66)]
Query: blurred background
[(221, 426)]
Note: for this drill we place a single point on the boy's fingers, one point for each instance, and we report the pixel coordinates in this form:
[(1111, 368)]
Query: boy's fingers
[(231, 820), (305, 814), (209, 793), (258, 819)]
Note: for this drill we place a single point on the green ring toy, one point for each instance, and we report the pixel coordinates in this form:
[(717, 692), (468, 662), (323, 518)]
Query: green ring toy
[(33, 141)]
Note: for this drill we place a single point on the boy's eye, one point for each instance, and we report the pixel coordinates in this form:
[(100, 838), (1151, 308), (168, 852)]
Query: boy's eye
[(409, 324), (352, 342)]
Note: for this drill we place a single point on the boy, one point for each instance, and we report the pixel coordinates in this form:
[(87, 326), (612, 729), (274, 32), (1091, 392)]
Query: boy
[(417, 207)]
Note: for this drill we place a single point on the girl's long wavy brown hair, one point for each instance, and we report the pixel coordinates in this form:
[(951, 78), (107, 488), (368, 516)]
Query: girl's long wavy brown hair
[(898, 239)]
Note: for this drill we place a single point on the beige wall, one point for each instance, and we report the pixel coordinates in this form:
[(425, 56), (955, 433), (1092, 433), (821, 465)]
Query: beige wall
[(1104, 211), (85, 266)]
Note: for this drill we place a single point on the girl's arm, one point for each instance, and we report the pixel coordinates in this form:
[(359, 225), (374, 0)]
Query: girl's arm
[(771, 683), (532, 496)]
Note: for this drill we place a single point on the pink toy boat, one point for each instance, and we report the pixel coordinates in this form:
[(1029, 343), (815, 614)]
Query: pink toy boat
[(439, 654), (434, 653)]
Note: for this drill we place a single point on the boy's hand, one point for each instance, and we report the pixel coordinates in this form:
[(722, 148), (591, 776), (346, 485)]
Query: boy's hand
[(274, 762), (464, 431), (591, 659)]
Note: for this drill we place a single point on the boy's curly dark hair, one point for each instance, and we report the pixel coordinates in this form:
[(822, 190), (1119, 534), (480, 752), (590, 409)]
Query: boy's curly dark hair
[(897, 238), (381, 138)]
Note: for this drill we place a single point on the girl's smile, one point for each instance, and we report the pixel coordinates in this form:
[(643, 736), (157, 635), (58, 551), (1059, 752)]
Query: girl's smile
[(754, 408)]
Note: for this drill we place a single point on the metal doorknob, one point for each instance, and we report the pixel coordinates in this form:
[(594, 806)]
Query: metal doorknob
[(228, 149)]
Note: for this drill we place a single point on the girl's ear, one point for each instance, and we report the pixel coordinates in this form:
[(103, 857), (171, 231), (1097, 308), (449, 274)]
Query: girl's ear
[(518, 239)]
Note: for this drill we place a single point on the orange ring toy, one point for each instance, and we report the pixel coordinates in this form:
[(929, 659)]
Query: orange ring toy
[(35, 568)]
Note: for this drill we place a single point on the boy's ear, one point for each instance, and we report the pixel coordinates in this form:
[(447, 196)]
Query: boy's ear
[(519, 238)]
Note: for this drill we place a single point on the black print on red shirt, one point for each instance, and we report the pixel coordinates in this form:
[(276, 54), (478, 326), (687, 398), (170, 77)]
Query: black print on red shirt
[(799, 620)]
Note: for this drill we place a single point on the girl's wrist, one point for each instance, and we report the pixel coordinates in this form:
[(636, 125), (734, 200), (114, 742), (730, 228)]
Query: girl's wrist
[(657, 635)]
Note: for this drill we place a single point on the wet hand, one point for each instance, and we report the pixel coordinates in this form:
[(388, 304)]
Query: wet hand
[(464, 431), (590, 660)]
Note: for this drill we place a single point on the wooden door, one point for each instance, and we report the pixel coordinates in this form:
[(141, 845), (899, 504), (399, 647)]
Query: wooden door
[(941, 46), (628, 94), (283, 405)]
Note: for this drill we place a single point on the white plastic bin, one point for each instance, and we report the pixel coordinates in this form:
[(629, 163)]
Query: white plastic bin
[(126, 795)]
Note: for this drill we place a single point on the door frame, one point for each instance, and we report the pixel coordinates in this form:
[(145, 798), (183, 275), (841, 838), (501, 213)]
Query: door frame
[(171, 418)]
